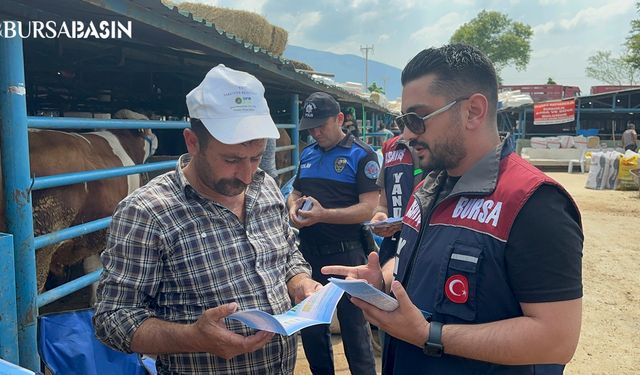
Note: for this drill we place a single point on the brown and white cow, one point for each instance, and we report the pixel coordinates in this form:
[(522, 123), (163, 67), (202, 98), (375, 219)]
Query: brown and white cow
[(54, 152), (283, 159)]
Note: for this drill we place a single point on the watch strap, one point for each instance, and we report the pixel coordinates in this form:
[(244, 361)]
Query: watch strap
[(433, 347)]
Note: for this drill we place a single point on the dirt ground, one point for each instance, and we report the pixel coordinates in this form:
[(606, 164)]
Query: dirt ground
[(610, 336)]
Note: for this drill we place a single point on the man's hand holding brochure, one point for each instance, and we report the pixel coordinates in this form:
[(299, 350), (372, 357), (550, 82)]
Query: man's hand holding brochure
[(366, 292), (384, 226), (318, 308), (315, 309), (389, 222)]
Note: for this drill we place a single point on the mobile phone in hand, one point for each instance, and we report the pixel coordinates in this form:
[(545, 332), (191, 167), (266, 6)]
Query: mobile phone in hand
[(307, 205)]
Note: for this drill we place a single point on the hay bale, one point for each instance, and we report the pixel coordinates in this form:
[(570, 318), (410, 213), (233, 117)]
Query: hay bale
[(279, 38), (127, 114), (248, 26), (300, 65)]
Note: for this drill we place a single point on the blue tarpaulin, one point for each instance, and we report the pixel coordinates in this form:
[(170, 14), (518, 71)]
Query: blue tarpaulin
[(68, 346)]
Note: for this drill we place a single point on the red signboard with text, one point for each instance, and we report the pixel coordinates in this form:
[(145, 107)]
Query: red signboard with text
[(549, 113)]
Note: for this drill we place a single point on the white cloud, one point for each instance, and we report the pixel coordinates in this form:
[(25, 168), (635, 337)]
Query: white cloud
[(370, 15), (464, 2), (544, 28), (404, 5), (591, 16), (299, 23), (552, 2), (383, 37), (358, 3), (250, 5), (595, 16), (439, 32)]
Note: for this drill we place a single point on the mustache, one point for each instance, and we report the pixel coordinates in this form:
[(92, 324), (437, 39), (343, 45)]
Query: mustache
[(229, 186)]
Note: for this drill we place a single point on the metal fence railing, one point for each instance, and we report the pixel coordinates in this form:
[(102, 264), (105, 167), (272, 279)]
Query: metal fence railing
[(19, 296)]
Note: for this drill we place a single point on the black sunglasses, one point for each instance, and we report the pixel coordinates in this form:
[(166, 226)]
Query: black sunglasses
[(416, 123)]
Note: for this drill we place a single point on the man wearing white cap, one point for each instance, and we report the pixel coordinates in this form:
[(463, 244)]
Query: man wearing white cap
[(200, 242)]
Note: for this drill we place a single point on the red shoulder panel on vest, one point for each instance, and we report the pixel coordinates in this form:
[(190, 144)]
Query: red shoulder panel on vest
[(413, 216), (395, 153), (389, 144), (494, 214)]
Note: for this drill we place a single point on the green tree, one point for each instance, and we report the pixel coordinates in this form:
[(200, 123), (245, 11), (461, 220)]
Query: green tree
[(550, 81), (612, 70), (373, 87), (503, 40), (633, 42)]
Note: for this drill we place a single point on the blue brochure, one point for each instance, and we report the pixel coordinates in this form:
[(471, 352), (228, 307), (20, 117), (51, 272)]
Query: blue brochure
[(318, 308)]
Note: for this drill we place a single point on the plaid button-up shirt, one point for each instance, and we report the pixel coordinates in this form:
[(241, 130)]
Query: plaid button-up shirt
[(172, 254)]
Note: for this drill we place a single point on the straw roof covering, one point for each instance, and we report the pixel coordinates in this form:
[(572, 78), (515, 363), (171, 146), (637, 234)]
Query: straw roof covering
[(279, 38), (248, 26), (300, 65)]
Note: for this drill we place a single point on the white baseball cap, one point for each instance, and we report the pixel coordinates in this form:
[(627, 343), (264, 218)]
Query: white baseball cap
[(232, 107)]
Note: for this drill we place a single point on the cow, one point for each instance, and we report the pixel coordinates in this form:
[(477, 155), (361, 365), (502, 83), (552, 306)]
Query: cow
[(54, 152), (283, 159)]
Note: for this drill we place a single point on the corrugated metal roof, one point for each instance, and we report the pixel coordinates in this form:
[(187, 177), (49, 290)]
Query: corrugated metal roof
[(158, 30), (611, 93), (181, 24)]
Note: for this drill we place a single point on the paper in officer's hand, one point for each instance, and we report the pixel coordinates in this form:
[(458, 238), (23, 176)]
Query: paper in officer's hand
[(366, 292), (392, 221)]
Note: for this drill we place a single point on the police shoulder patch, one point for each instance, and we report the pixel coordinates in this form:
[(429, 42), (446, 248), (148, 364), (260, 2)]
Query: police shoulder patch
[(372, 169)]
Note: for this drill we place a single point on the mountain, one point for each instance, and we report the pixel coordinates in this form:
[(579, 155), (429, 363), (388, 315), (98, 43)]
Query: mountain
[(349, 68)]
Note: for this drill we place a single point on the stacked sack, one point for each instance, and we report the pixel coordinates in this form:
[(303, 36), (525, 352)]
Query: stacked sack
[(625, 180), (612, 170), (603, 171), (562, 141)]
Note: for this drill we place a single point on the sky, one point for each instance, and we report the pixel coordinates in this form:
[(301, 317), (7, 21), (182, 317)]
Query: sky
[(566, 32)]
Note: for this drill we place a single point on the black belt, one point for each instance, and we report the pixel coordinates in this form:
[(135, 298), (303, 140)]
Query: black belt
[(330, 248)]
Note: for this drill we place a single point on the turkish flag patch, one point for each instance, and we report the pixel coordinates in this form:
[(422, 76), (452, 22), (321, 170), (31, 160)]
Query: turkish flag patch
[(457, 289)]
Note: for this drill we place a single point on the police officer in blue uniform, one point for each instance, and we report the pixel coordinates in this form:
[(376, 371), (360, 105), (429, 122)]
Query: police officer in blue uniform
[(488, 266), (337, 175)]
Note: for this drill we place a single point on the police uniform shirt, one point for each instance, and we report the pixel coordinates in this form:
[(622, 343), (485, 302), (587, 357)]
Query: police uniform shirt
[(336, 177)]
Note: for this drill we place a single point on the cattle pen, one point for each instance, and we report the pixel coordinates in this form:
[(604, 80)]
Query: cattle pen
[(19, 310), (54, 83)]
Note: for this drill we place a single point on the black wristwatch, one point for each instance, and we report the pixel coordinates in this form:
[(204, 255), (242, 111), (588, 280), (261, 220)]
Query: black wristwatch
[(433, 347)]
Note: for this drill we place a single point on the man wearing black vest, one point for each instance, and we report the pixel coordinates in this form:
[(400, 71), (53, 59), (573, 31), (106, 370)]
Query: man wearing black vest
[(488, 270), (399, 175)]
